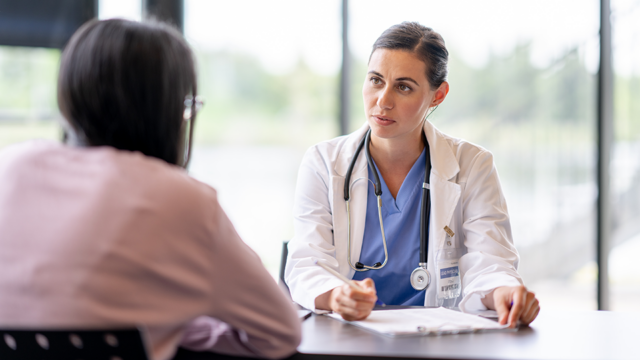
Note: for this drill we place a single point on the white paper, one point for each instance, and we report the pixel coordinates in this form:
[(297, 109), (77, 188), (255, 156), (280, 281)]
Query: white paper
[(427, 321)]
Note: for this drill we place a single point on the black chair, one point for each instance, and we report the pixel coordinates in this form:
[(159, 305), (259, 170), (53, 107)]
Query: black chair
[(117, 344), (283, 262)]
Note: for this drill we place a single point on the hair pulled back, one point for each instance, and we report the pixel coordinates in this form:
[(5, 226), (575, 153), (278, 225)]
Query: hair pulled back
[(422, 41), (123, 84)]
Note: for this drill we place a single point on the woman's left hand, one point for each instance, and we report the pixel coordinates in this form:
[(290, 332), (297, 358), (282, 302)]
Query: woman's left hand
[(513, 303)]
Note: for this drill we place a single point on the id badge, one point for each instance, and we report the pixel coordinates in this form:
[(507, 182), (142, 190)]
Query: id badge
[(448, 275)]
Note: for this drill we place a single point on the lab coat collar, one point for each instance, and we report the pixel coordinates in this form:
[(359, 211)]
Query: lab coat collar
[(443, 161), (348, 150)]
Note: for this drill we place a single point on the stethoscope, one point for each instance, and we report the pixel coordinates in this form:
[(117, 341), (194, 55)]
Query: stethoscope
[(420, 277)]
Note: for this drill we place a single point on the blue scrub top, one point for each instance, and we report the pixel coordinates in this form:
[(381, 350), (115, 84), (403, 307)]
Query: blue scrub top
[(401, 220)]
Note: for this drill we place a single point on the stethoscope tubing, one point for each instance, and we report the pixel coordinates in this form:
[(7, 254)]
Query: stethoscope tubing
[(424, 209)]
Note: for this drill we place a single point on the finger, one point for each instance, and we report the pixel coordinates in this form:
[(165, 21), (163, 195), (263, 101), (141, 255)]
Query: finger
[(368, 287), (355, 304), (529, 307), (530, 315), (343, 296), (347, 313), (355, 301), (518, 306), (364, 313), (350, 312), (527, 302), (368, 284), (363, 295), (502, 304)]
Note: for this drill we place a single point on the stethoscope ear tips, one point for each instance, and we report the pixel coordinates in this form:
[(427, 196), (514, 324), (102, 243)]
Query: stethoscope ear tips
[(360, 265)]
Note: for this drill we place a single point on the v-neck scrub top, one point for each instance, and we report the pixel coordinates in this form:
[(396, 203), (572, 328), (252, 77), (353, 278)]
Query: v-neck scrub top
[(401, 220)]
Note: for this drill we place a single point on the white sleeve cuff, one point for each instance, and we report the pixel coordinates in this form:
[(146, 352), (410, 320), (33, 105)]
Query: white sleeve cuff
[(473, 302)]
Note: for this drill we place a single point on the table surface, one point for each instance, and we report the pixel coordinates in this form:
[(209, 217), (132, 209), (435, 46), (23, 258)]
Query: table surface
[(553, 335)]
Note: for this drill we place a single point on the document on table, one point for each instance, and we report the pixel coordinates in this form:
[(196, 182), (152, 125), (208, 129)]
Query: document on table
[(427, 321)]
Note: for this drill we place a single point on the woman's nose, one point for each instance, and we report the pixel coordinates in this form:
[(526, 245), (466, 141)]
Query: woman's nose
[(385, 99)]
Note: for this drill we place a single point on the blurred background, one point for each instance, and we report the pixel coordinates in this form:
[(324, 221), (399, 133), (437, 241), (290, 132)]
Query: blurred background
[(524, 84)]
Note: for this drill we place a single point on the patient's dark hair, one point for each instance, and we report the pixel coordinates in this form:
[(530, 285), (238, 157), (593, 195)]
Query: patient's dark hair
[(422, 41), (123, 84)]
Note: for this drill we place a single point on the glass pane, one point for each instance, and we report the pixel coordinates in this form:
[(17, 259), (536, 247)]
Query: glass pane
[(269, 76), (624, 269), (28, 106), (28, 77), (522, 84), (124, 9)]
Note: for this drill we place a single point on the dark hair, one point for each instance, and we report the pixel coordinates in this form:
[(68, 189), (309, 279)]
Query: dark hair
[(425, 43), (123, 84)]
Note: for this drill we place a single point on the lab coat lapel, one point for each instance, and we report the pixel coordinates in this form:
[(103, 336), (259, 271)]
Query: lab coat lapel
[(444, 193), (357, 203)]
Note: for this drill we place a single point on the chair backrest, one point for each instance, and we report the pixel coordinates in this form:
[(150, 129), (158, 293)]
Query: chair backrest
[(283, 262), (117, 344)]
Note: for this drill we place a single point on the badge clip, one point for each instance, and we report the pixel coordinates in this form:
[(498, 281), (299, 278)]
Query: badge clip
[(448, 231)]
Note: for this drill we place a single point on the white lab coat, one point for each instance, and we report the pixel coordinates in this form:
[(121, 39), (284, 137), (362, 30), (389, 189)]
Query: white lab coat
[(465, 196)]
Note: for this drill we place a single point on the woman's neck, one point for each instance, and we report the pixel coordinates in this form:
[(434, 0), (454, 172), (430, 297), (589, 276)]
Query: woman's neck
[(395, 157)]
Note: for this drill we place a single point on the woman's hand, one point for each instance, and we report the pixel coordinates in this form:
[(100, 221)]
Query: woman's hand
[(513, 303), (348, 302)]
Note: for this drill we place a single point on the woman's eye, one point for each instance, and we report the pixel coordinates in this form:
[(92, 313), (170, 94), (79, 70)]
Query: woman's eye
[(376, 81), (404, 87)]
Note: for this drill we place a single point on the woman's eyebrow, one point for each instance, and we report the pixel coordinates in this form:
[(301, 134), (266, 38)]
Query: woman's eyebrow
[(398, 79), (408, 79)]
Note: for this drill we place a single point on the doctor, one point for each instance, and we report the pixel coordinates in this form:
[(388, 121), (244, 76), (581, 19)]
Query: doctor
[(414, 216)]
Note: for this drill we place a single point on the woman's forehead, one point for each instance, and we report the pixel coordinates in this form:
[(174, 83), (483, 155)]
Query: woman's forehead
[(397, 64)]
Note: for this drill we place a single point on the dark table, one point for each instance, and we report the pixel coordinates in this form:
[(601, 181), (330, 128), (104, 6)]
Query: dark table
[(553, 335)]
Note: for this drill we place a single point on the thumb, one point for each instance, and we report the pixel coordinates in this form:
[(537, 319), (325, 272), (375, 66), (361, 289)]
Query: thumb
[(503, 306)]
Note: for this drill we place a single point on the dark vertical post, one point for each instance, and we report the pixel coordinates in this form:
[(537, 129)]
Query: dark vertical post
[(171, 11), (605, 141), (345, 73)]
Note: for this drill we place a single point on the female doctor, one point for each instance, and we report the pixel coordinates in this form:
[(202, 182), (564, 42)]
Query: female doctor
[(403, 206)]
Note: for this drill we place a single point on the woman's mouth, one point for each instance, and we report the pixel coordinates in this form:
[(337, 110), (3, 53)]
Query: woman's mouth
[(383, 120)]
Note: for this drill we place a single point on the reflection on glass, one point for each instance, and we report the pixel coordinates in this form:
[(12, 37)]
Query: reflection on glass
[(624, 268), (526, 92)]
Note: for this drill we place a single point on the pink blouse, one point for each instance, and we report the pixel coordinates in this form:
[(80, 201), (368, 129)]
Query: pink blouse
[(97, 237)]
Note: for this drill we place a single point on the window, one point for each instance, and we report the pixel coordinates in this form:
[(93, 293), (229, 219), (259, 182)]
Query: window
[(523, 85), (269, 74), (624, 269)]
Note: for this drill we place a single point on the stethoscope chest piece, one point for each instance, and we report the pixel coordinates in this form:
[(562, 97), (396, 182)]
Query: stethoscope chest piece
[(420, 278)]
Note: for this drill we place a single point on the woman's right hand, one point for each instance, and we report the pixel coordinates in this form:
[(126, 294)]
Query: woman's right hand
[(351, 304)]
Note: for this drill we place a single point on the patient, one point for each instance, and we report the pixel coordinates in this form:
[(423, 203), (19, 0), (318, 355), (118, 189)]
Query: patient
[(109, 230)]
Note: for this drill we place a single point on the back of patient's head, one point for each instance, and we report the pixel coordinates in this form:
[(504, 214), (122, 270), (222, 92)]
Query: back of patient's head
[(123, 84)]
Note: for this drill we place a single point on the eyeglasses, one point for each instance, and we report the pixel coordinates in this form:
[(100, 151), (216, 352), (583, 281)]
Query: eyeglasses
[(189, 103)]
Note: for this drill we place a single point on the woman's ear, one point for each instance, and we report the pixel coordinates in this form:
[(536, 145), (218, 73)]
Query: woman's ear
[(441, 94)]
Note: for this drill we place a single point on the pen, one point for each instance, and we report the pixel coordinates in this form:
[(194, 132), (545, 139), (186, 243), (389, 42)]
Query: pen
[(347, 281)]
